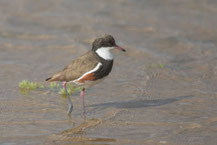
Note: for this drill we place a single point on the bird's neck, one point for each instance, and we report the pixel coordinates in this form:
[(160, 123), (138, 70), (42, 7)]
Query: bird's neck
[(104, 53)]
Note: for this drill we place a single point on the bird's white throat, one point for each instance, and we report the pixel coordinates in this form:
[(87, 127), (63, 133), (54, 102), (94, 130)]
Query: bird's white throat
[(105, 53)]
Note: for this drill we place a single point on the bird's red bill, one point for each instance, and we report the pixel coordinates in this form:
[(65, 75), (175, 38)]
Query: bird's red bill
[(120, 48)]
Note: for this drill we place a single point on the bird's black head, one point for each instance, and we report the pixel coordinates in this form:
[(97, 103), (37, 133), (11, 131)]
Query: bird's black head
[(106, 41)]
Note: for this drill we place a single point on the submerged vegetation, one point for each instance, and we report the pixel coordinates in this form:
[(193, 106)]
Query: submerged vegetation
[(70, 89), (154, 66), (26, 86), (54, 86)]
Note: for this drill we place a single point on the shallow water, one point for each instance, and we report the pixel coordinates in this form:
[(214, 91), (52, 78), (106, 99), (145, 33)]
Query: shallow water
[(162, 91)]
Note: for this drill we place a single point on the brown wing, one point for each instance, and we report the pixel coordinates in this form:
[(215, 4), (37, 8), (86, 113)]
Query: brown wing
[(76, 68)]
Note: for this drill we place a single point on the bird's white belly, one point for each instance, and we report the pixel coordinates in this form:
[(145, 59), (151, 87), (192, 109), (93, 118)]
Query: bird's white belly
[(87, 83)]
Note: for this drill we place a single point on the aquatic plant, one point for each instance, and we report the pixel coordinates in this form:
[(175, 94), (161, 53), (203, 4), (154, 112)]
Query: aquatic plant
[(70, 89), (157, 65), (161, 65), (54, 86), (26, 86)]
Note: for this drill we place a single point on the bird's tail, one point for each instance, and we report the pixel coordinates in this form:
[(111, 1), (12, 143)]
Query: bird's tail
[(56, 77), (48, 79)]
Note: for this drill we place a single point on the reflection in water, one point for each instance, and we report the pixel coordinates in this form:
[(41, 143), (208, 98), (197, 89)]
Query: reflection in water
[(76, 134), (139, 103)]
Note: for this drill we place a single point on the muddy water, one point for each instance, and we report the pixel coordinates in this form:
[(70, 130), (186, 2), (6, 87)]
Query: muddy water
[(162, 91)]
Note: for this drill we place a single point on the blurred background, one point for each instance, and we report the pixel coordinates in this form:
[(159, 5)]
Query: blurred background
[(162, 91)]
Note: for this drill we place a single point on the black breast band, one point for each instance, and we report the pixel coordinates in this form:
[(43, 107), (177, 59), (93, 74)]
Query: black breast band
[(104, 69)]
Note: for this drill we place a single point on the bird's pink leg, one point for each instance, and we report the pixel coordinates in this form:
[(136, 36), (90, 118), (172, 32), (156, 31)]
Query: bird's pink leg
[(82, 99), (69, 99)]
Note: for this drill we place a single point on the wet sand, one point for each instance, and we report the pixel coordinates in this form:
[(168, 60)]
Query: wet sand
[(162, 91)]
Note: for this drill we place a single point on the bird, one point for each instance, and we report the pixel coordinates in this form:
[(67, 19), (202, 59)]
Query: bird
[(88, 69)]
